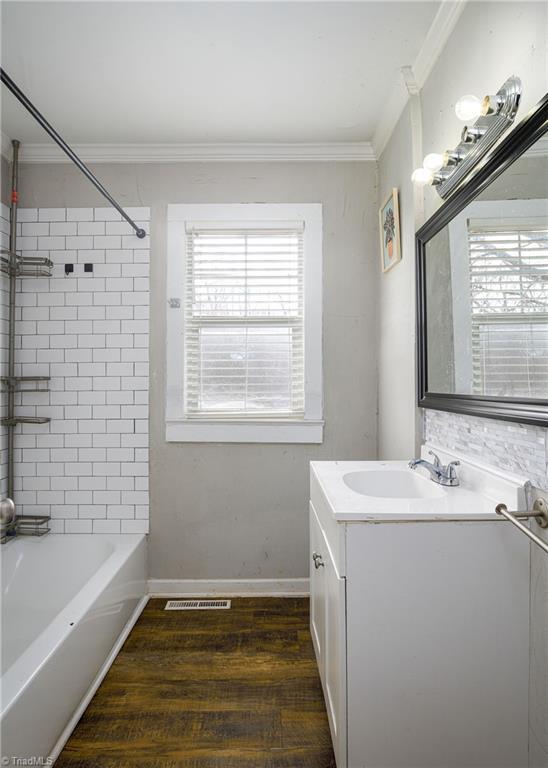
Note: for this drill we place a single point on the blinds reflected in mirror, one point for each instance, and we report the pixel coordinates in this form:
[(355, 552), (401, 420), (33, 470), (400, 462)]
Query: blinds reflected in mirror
[(244, 313), (509, 300)]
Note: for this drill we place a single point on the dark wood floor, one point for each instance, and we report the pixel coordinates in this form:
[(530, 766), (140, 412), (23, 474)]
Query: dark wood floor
[(232, 688)]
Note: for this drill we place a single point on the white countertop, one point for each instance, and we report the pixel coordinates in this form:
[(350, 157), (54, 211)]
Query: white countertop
[(481, 489)]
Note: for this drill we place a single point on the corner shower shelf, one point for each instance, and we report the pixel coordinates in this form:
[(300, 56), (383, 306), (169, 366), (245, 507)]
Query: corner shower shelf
[(25, 420), (15, 266), (19, 383), (24, 266), (32, 525)]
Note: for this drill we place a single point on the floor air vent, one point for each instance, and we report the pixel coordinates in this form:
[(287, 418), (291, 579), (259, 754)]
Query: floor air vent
[(197, 605)]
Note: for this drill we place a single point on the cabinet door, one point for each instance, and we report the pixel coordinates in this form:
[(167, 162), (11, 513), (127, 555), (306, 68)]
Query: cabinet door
[(335, 656), (328, 630), (317, 591)]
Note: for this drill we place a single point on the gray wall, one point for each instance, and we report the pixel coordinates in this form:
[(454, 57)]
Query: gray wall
[(397, 412), (240, 511)]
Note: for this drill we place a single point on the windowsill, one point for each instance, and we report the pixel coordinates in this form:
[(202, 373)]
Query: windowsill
[(189, 431)]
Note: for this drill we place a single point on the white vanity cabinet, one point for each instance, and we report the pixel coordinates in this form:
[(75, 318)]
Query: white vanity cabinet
[(328, 629), (421, 633)]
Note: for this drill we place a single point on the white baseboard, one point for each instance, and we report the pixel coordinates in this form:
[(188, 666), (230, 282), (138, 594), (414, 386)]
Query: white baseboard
[(229, 587), (71, 725)]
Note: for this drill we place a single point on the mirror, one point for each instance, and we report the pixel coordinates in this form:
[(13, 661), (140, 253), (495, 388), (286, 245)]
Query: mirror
[(483, 286)]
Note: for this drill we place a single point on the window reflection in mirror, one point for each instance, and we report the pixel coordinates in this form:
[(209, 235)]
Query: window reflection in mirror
[(487, 289)]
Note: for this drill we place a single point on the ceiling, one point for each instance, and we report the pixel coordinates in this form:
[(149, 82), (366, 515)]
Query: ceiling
[(173, 72)]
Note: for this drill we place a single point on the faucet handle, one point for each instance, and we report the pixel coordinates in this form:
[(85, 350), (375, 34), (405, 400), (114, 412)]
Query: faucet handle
[(451, 473), (436, 462)]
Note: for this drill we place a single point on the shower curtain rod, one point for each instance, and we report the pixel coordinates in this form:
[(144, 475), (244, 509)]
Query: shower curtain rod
[(29, 106)]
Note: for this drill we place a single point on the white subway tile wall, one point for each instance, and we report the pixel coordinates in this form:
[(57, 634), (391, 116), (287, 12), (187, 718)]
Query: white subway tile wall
[(4, 341), (88, 331), (519, 448)]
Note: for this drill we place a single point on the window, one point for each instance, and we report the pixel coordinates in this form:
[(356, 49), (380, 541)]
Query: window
[(244, 323), (509, 298)]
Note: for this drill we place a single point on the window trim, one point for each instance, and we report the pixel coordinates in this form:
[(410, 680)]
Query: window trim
[(261, 430)]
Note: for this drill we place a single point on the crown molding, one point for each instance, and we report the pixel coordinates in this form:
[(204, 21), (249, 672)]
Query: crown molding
[(437, 36), (412, 79), (202, 153)]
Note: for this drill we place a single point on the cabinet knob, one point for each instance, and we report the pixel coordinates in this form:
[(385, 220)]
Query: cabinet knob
[(318, 562)]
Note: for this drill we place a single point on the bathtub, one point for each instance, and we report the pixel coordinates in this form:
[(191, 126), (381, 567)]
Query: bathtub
[(68, 602)]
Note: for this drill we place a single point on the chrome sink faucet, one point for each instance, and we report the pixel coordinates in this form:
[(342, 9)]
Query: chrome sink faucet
[(443, 475)]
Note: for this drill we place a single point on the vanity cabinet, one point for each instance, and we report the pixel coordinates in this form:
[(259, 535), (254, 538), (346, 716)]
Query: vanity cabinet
[(328, 630), (421, 634)]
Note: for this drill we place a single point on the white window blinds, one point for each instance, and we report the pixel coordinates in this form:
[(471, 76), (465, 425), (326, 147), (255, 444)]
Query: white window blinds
[(244, 315), (509, 295)]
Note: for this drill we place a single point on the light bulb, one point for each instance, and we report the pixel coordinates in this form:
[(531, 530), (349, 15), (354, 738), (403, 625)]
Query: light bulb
[(422, 176), (433, 161), (468, 107)]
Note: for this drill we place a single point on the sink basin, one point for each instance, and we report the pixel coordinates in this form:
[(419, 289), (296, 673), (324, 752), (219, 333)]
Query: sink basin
[(392, 484)]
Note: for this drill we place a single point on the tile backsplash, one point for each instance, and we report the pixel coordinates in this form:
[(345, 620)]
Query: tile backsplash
[(86, 328), (519, 448)]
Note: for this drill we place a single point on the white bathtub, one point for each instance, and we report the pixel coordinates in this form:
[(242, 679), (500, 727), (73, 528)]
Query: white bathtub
[(68, 602)]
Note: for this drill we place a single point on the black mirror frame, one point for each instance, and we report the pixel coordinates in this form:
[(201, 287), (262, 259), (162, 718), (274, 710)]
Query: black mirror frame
[(526, 411)]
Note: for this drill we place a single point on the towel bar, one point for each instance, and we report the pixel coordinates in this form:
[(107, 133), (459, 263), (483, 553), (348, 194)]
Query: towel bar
[(540, 513)]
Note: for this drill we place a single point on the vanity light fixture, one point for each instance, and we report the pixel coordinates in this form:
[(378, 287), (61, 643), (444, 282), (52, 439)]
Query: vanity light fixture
[(492, 115), (434, 163)]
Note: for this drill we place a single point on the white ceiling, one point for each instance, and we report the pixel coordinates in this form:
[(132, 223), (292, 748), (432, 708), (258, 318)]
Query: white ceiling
[(157, 72)]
